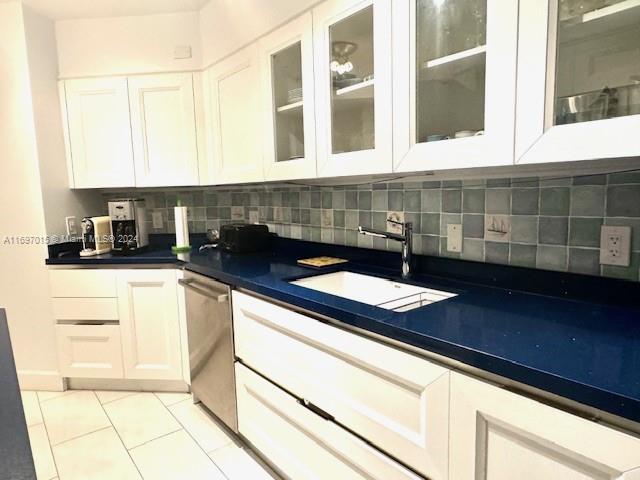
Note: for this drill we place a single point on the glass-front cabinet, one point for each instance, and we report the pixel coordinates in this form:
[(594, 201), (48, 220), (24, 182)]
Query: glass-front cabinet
[(288, 99), (578, 80), (454, 83), (353, 90)]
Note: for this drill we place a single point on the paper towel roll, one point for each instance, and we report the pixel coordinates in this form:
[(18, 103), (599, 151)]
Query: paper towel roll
[(182, 227)]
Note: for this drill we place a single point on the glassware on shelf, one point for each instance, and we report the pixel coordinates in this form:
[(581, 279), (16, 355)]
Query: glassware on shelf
[(598, 60), (351, 64), (450, 68), (288, 103)]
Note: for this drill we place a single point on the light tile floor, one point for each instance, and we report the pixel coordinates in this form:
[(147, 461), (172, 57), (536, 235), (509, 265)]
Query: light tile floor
[(82, 434)]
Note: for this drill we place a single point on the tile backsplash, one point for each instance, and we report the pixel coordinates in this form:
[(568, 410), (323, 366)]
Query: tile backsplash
[(547, 223)]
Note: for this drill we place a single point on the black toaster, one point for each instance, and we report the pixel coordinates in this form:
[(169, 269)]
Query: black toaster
[(244, 238)]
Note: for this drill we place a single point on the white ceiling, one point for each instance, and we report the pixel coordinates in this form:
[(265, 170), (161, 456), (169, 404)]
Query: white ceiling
[(66, 9)]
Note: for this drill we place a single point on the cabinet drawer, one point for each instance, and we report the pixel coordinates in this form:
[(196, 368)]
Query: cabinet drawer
[(85, 308), (299, 442), (395, 400), (89, 351), (83, 283)]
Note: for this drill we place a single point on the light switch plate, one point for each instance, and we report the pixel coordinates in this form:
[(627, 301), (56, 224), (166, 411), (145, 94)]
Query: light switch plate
[(454, 237), (156, 217), (615, 245), (181, 52)]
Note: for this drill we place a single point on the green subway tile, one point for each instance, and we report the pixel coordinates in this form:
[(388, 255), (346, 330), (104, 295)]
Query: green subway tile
[(431, 200), (396, 200), (379, 220), (412, 201), (430, 223), (524, 201), (339, 200), (472, 226), (452, 201), (553, 230), (498, 182), (473, 249), (498, 201), (623, 201), (524, 229), (622, 178), (364, 218), (585, 261), (554, 201), (351, 219), (585, 232), (600, 179), (473, 200), (413, 218), (351, 200), (449, 218), (314, 199), (495, 252), (523, 255), (315, 217), (587, 201), (380, 201), (338, 218), (551, 258), (364, 200), (430, 245), (327, 200)]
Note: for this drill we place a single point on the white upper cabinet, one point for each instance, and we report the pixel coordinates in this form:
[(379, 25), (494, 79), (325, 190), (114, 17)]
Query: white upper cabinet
[(578, 80), (233, 117), (164, 130), (498, 435), (98, 134), (353, 87), (286, 63), (454, 92)]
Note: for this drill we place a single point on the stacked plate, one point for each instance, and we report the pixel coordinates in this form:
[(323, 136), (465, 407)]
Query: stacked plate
[(294, 95)]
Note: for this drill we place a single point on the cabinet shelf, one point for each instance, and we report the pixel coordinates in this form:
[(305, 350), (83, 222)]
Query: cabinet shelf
[(455, 57), (291, 107), (359, 91), (603, 20)]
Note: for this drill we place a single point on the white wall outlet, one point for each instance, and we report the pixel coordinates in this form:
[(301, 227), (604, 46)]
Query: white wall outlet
[(497, 228), (396, 217), (253, 216), (156, 217), (181, 52), (72, 226), (454, 237), (615, 245)]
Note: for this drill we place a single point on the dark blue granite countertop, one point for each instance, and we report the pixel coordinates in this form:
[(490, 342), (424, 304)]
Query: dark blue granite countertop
[(16, 461), (576, 336)]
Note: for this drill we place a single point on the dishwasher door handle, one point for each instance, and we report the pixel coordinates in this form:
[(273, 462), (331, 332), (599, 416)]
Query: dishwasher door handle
[(189, 284)]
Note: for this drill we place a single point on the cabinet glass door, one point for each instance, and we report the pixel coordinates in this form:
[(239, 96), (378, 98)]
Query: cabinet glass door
[(351, 66), (454, 83), (578, 95), (598, 60), (286, 74), (450, 69)]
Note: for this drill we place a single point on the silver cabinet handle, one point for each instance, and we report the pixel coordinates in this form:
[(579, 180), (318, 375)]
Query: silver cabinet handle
[(189, 283)]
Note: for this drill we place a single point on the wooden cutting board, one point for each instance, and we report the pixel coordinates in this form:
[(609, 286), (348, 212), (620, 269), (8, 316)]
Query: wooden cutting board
[(320, 262)]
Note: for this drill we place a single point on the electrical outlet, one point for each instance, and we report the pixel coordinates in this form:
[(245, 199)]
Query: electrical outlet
[(182, 52), (72, 226), (454, 237), (156, 217), (615, 245), (253, 216)]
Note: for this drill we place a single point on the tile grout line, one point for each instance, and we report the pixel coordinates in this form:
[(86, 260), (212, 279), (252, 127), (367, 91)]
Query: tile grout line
[(46, 431), (118, 433), (190, 435)]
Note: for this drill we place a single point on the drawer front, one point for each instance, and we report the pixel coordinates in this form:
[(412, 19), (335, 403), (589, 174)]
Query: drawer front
[(395, 400), (83, 283), (89, 351), (299, 442), (85, 308)]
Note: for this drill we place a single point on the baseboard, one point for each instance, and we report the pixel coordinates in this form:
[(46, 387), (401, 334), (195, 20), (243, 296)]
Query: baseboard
[(123, 384), (48, 380)]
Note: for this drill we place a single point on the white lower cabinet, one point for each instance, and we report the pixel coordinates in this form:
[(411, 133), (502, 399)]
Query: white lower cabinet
[(300, 443), (499, 435), (89, 351), (148, 306), (396, 401), (118, 323)]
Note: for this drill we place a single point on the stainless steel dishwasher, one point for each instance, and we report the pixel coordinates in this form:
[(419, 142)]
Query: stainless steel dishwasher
[(210, 335)]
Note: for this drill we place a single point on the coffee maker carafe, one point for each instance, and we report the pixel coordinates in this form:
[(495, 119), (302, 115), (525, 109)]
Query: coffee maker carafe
[(128, 226)]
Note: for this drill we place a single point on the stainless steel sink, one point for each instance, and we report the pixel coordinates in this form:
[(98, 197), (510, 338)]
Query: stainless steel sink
[(383, 293)]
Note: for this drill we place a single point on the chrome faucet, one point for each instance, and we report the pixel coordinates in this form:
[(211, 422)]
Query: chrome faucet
[(405, 238)]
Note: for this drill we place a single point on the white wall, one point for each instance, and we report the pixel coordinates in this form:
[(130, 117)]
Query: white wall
[(227, 25), (24, 287), (59, 200), (124, 45)]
